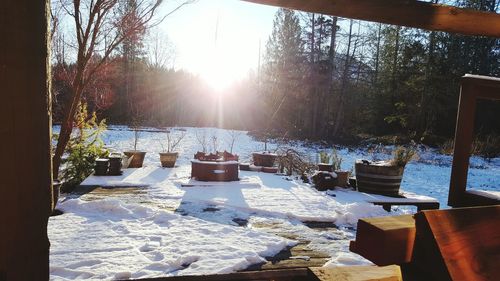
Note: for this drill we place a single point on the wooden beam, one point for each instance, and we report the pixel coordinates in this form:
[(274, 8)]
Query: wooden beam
[(24, 140), (405, 13), (458, 244)]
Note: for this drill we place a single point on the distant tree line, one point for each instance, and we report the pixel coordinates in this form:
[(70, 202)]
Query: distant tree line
[(322, 77)]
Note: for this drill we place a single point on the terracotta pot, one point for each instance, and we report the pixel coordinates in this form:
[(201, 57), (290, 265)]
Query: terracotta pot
[(168, 159), (136, 158), (325, 167), (377, 178), (342, 178)]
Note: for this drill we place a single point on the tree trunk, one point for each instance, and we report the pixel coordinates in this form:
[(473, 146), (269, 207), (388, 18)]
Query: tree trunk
[(339, 119)]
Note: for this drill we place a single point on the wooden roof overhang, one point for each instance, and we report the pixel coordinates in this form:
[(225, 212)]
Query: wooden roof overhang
[(408, 13)]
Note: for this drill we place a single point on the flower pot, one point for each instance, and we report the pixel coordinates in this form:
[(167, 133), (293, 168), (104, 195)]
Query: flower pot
[(342, 178), (325, 167), (101, 166), (378, 177), (264, 159), (136, 158), (115, 165), (168, 159), (323, 181)]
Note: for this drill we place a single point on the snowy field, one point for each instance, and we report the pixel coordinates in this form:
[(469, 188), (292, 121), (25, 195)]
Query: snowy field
[(174, 234)]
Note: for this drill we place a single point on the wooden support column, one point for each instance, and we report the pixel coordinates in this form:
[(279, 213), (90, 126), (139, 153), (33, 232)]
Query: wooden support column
[(25, 140)]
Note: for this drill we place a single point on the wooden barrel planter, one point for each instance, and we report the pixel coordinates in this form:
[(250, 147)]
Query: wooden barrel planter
[(264, 159), (214, 171), (136, 158), (378, 178), (244, 167)]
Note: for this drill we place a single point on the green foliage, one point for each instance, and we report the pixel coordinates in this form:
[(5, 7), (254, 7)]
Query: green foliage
[(84, 147), (336, 160), (402, 155), (324, 157)]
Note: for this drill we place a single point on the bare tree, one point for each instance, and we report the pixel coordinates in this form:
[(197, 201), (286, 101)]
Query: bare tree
[(100, 27), (202, 140), (232, 136), (161, 51)]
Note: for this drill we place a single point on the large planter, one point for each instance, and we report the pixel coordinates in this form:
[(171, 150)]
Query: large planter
[(136, 158), (325, 167), (214, 171), (264, 159), (168, 159), (342, 178), (378, 177)]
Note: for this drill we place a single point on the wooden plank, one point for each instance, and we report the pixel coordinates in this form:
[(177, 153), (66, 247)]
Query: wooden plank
[(385, 240), (459, 244), (405, 13), (357, 273), (277, 275)]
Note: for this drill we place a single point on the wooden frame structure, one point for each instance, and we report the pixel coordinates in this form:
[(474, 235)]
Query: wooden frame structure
[(473, 88), (26, 124), (409, 13)]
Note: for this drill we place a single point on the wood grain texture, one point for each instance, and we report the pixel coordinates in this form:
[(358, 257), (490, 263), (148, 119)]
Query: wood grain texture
[(405, 13), (357, 273), (473, 87), (461, 244), (385, 240), (25, 191)]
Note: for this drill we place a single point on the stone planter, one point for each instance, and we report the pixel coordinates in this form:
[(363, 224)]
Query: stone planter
[(168, 159), (136, 158), (378, 177)]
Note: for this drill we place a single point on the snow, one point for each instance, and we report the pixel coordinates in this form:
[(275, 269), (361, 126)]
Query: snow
[(133, 241), (220, 227)]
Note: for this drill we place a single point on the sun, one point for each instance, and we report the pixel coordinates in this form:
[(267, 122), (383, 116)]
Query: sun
[(218, 76)]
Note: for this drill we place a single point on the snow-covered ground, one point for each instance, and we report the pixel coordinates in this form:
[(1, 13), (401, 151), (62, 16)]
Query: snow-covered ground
[(112, 239)]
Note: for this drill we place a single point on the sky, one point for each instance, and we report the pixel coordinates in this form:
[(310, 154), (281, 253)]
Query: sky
[(217, 39)]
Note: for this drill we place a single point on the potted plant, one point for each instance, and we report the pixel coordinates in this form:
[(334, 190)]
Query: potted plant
[(324, 162), (342, 175), (383, 177), (168, 157), (135, 157)]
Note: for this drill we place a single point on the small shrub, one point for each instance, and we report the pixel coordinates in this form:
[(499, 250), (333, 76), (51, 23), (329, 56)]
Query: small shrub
[(402, 155), (84, 147), (292, 162), (324, 157), (336, 160)]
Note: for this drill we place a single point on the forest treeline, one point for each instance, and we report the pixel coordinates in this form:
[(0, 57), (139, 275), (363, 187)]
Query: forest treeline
[(321, 77)]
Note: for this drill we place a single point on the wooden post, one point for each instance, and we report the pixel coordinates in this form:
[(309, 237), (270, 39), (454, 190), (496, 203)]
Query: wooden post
[(473, 87), (25, 140)]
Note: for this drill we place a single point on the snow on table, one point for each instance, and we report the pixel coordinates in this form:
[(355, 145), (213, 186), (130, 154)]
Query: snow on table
[(107, 239)]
